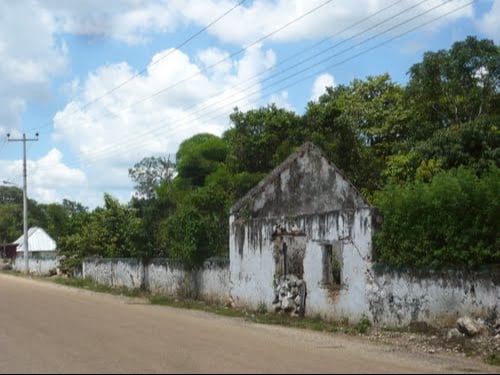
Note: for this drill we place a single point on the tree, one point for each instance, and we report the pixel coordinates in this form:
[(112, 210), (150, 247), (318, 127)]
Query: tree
[(110, 231), (149, 173), (475, 144), (261, 139), (199, 228), (199, 156), (449, 222), (11, 213), (455, 86), (359, 126)]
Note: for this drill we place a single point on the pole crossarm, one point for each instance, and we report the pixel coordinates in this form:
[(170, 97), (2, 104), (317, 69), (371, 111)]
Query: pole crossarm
[(25, 196)]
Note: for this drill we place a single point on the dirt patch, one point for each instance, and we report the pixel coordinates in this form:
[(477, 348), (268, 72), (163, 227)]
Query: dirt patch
[(420, 339)]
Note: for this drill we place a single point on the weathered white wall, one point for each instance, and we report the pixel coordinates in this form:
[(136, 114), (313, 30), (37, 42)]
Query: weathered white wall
[(253, 267), (116, 273), (251, 270), (161, 276), (213, 281), (398, 299), (166, 278), (42, 267)]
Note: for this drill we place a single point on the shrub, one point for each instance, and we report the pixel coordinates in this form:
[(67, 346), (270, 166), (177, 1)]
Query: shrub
[(451, 222)]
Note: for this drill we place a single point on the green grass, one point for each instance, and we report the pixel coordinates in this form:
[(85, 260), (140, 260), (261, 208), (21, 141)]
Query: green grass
[(190, 304), (95, 287), (493, 358)]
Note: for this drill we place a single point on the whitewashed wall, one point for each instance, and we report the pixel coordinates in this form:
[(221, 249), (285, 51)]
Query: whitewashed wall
[(161, 276), (116, 273), (384, 297), (253, 267), (213, 281), (166, 278), (251, 270), (398, 299), (42, 267)]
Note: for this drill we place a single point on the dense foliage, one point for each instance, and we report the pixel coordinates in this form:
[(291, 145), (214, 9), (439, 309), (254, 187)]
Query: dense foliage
[(451, 222)]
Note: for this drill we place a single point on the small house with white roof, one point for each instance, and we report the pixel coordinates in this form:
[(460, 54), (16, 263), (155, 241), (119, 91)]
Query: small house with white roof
[(40, 244)]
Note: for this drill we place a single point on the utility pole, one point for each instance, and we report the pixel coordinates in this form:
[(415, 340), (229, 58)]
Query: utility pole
[(25, 196)]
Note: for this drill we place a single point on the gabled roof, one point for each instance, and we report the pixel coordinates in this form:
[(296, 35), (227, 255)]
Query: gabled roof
[(337, 191), (38, 240)]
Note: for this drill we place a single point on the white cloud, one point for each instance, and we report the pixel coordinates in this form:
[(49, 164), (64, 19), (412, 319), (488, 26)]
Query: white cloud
[(112, 134), (218, 59), (49, 179), (320, 84), (281, 101), (489, 24), (130, 21), (248, 23), (51, 171), (26, 67)]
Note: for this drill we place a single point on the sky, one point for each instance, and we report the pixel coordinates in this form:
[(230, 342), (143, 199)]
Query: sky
[(106, 83)]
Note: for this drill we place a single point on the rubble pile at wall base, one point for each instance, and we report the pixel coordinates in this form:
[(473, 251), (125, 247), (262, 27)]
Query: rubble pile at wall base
[(290, 295)]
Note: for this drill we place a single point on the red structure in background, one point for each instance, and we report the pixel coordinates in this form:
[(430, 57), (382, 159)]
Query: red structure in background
[(8, 250)]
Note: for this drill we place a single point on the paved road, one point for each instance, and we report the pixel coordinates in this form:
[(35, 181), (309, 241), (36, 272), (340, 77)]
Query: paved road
[(46, 328)]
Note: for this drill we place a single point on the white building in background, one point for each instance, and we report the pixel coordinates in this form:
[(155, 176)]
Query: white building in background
[(40, 244)]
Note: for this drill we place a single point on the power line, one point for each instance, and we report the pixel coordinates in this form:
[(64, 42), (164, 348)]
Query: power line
[(189, 115), (207, 68), (291, 58), (330, 66), (115, 114), (143, 70)]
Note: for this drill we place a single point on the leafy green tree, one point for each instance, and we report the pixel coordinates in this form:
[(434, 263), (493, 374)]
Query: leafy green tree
[(475, 144), (199, 227), (338, 139), (11, 213), (110, 231), (451, 222), (261, 139), (359, 126), (199, 156), (455, 86), (11, 222), (149, 173)]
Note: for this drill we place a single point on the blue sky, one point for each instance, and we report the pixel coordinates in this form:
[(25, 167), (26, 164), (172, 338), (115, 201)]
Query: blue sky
[(104, 84)]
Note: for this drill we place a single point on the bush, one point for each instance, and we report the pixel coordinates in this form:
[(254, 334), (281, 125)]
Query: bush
[(199, 228), (451, 222)]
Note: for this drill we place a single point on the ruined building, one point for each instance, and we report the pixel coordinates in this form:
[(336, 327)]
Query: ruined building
[(301, 241)]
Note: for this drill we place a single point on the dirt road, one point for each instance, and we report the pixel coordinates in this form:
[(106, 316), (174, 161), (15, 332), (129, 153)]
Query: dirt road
[(47, 328)]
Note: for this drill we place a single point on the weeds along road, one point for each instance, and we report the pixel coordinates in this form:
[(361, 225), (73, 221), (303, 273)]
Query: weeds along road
[(48, 328)]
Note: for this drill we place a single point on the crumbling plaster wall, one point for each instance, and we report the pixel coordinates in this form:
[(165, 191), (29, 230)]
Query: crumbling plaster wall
[(300, 186), (253, 267), (251, 264), (436, 298), (162, 276), (41, 267), (305, 196), (115, 272)]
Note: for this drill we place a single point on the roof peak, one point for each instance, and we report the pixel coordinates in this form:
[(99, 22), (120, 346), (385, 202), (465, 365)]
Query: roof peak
[(306, 148)]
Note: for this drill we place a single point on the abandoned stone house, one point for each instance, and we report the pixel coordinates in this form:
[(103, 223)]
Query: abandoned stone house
[(301, 241)]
